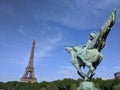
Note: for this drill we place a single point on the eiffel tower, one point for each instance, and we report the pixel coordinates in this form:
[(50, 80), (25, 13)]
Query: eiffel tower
[(29, 75)]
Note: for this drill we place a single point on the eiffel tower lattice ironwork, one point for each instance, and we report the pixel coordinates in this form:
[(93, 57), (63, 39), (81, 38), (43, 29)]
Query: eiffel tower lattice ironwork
[(29, 75)]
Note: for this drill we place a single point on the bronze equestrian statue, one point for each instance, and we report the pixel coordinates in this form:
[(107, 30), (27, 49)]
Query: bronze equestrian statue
[(90, 54)]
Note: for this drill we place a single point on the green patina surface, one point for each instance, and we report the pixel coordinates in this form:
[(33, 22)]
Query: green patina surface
[(90, 54)]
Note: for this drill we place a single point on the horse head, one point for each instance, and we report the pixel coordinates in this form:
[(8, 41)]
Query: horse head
[(68, 49)]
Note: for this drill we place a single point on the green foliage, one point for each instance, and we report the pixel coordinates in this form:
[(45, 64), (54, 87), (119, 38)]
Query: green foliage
[(74, 87), (117, 87), (1, 85), (65, 84)]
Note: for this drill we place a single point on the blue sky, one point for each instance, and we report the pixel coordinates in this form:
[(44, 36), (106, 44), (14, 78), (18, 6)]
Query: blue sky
[(53, 24)]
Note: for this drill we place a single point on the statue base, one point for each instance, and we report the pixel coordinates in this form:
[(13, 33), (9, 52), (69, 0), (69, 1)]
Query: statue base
[(85, 85)]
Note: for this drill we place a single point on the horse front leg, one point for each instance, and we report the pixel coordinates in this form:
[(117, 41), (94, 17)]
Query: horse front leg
[(94, 71), (91, 71), (92, 74), (77, 66)]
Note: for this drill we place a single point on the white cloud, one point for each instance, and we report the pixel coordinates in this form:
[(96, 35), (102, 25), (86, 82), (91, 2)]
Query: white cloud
[(55, 39), (84, 15), (47, 45), (21, 30), (7, 10), (117, 68), (43, 51), (68, 72)]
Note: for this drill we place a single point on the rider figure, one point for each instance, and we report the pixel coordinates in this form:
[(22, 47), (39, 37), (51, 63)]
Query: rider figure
[(92, 36), (78, 47)]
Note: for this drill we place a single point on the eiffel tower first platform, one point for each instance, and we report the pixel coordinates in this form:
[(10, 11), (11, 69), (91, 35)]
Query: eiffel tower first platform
[(29, 75)]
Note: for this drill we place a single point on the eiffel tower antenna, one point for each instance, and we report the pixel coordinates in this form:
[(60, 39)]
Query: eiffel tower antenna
[(29, 75)]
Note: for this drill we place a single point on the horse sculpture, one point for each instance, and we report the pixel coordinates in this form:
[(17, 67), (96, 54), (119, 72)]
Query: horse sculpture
[(90, 54)]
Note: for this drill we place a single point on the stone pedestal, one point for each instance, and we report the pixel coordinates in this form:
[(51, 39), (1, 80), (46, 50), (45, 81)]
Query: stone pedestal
[(87, 86)]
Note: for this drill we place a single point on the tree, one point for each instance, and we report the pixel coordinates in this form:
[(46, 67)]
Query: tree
[(74, 87)]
